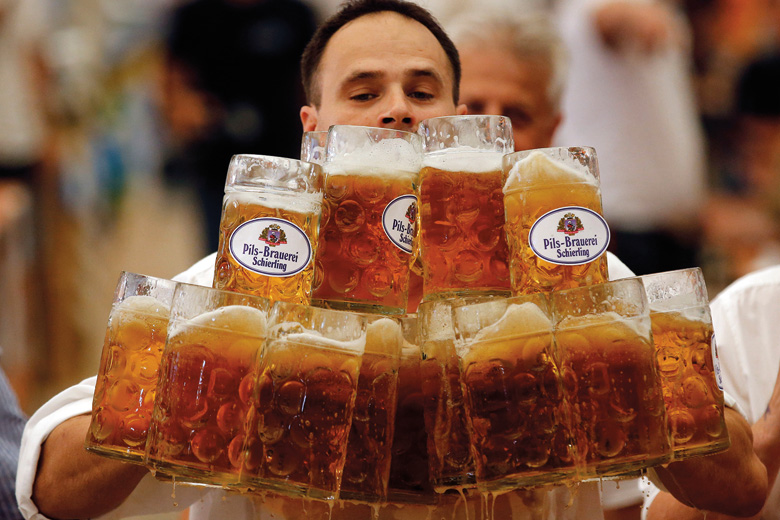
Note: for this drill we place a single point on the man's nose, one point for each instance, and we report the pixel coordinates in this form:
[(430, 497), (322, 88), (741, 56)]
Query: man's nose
[(397, 113)]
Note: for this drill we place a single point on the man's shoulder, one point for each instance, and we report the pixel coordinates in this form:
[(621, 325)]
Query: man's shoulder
[(761, 282)]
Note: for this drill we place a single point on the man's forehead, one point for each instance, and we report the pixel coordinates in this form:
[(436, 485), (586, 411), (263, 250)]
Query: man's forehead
[(364, 44)]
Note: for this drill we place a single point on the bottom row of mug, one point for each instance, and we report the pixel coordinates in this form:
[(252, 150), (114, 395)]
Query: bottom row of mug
[(231, 390)]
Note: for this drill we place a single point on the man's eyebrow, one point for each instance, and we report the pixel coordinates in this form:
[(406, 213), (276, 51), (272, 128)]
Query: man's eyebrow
[(426, 73), (361, 75)]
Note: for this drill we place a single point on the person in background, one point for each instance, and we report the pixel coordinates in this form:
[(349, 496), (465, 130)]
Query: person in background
[(230, 85), (629, 96), (12, 422), (514, 66)]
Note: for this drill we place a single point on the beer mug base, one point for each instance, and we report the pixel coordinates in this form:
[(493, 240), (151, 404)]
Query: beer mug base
[(179, 473), (463, 482), (517, 481), (359, 307), (467, 293), (117, 453), (290, 489), (625, 468), (182, 480), (685, 452), (398, 496)]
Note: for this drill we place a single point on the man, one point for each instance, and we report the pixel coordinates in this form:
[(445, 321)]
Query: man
[(380, 63), (344, 84)]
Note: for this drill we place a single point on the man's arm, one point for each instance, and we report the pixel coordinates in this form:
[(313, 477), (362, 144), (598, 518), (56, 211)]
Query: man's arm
[(74, 483), (734, 482)]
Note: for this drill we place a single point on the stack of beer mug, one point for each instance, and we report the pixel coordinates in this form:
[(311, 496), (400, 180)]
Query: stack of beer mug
[(300, 372)]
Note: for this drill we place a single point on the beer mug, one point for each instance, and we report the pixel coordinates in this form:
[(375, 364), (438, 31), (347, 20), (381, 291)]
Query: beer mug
[(304, 400), (313, 146), (514, 395), (462, 242), (555, 230), (409, 474), (269, 228), (610, 378), (367, 467), (124, 392), (205, 385), (369, 219), (687, 361), (449, 446)]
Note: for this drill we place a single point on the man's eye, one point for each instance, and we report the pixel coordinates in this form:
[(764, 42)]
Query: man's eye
[(363, 97), (423, 96)]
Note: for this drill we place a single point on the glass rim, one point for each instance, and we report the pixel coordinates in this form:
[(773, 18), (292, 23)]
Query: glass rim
[(289, 168)]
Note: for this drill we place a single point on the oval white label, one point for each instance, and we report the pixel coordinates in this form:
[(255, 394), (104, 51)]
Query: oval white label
[(271, 246), (716, 364), (398, 220), (569, 236)]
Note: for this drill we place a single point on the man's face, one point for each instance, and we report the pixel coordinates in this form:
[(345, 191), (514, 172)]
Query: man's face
[(382, 70), (496, 83)]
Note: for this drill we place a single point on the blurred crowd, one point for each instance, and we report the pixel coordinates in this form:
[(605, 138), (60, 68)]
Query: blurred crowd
[(119, 118)]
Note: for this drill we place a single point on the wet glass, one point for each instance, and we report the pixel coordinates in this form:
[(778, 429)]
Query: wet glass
[(610, 378), (304, 400), (520, 427), (462, 242), (269, 228), (129, 366), (450, 459), (409, 473), (369, 220), (206, 382), (367, 468), (555, 230), (687, 361)]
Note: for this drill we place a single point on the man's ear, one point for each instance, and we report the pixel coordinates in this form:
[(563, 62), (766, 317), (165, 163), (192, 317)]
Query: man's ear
[(308, 118), (461, 110)]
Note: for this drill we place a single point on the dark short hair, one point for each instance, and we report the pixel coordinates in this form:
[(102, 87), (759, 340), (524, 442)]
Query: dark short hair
[(354, 9)]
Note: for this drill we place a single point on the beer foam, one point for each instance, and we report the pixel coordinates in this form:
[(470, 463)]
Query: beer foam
[(384, 336), (315, 339), (638, 327), (439, 324), (387, 155), (240, 319), (143, 305), (292, 202), (538, 168), (519, 319), (464, 159)]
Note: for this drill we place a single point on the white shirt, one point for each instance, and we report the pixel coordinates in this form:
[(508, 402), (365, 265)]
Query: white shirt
[(639, 113), (152, 496)]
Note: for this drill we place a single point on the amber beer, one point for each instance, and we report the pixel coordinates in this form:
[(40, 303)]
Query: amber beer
[(269, 228), (206, 383), (514, 395), (690, 374), (610, 378), (556, 234), (303, 406), (449, 452), (124, 392), (409, 474), (367, 467), (369, 219), (462, 242)]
